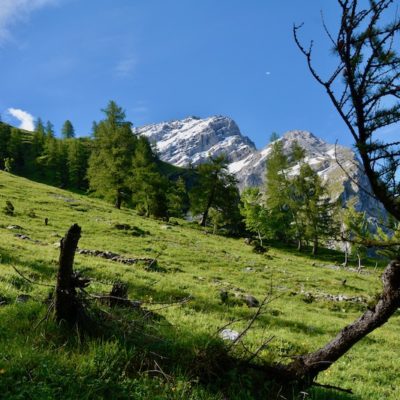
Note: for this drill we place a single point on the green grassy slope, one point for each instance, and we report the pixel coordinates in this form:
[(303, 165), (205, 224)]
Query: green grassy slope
[(158, 359)]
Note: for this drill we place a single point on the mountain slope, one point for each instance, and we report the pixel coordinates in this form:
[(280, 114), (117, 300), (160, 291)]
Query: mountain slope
[(161, 357), (192, 141)]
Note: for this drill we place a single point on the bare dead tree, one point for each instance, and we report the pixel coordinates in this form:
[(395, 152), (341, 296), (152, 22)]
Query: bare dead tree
[(364, 87)]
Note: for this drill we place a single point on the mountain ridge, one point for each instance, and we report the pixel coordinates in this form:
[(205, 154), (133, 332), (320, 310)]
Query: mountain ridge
[(191, 141)]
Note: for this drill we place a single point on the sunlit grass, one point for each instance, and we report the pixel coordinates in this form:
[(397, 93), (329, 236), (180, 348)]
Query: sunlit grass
[(38, 361)]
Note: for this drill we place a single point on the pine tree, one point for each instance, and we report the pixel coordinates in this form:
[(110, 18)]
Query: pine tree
[(254, 213), (358, 231), (216, 188), (16, 150), (5, 133), (68, 131), (77, 161), (277, 193), (312, 207), (110, 162), (177, 198), (148, 186)]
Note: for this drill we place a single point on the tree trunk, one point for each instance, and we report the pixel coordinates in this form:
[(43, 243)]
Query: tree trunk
[(315, 247), (299, 245), (66, 305), (346, 256), (306, 368), (118, 200), (359, 262), (260, 238)]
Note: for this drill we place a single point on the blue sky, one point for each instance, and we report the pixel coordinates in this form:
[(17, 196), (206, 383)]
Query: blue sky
[(166, 59)]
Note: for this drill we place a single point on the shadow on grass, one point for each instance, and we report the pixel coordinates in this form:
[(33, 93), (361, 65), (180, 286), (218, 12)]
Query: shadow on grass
[(128, 353), (38, 268)]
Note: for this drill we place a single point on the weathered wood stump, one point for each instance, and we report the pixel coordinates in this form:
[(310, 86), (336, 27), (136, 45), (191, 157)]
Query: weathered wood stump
[(67, 306)]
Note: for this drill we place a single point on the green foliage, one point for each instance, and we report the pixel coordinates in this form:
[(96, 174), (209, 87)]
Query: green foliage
[(177, 198), (255, 213), (277, 193), (147, 185), (111, 157), (67, 130), (357, 231), (216, 188)]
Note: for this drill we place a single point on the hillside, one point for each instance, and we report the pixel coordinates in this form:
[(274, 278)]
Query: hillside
[(165, 357)]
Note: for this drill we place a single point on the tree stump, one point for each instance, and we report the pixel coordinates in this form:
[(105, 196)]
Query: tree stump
[(67, 306)]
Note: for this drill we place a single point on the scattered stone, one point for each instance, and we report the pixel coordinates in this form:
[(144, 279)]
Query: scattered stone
[(122, 227), (248, 241), (109, 255), (251, 301), (16, 227), (223, 294), (248, 269), (229, 334), (23, 298), (23, 237), (166, 227)]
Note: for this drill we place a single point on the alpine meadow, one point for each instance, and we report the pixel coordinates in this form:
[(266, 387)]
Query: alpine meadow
[(181, 259)]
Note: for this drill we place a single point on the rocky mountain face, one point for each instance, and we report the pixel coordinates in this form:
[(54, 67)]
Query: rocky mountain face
[(193, 140)]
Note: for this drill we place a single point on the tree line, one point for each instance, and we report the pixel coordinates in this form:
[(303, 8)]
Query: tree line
[(123, 168)]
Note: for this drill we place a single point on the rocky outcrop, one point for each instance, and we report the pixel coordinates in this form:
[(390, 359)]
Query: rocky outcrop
[(192, 141)]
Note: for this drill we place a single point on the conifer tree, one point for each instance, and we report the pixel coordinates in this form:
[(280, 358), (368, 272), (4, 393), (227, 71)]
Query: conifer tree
[(77, 161), (5, 133), (254, 213), (148, 186), (177, 198), (277, 196), (216, 188), (110, 162), (68, 131)]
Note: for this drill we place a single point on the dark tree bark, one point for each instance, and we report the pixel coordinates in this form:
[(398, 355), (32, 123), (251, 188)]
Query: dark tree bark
[(66, 304), (209, 204), (118, 200)]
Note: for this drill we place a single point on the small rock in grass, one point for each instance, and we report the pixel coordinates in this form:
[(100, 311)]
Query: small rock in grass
[(16, 227), (251, 301), (23, 298), (229, 334), (23, 237)]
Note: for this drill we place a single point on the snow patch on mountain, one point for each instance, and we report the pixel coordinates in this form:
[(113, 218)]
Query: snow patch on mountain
[(192, 141)]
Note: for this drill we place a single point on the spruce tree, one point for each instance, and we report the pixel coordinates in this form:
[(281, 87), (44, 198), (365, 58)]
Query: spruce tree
[(216, 188), (110, 162), (277, 193), (68, 131), (148, 186), (177, 198)]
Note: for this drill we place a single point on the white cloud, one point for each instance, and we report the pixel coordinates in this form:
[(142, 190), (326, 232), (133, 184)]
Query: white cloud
[(13, 11), (26, 119), (125, 67)]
